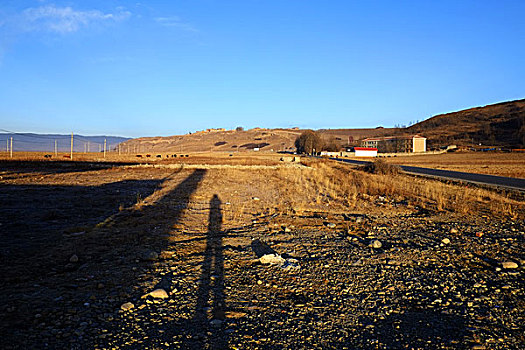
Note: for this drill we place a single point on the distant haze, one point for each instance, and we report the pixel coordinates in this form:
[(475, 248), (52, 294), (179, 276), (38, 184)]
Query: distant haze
[(158, 68), (24, 142)]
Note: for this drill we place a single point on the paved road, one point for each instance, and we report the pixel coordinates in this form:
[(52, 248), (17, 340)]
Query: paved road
[(491, 180)]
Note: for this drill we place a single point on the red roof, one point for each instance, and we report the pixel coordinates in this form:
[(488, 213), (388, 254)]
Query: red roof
[(365, 149)]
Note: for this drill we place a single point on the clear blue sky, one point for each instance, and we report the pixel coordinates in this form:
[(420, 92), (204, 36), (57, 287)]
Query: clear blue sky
[(168, 67)]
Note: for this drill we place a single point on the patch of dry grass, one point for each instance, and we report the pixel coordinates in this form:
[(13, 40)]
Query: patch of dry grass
[(329, 182), (379, 166), (492, 163)]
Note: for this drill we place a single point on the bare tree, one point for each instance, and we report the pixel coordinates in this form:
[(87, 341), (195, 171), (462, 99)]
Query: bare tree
[(309, 142)]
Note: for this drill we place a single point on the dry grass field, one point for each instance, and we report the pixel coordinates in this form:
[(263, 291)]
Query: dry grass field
[(492, 163), (367, 260), (233, 158)]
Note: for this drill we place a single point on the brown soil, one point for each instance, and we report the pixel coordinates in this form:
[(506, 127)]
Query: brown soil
[(205, 223)]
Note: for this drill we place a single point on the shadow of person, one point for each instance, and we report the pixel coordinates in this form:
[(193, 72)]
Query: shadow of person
[(414, 328), (210, 307)]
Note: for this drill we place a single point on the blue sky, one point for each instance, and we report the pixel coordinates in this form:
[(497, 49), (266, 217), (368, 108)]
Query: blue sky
[(169, 67)]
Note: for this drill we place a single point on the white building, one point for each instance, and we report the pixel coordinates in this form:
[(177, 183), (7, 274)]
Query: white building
[(365, 152)]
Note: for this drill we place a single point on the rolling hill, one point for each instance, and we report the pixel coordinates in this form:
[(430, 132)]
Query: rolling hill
[(245, 140), (500, 125), (496, 125)]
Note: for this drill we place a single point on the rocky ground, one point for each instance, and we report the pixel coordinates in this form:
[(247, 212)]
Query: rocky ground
[(194, 258)]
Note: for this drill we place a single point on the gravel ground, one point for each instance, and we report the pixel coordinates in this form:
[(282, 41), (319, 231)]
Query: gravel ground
[(175, 271)]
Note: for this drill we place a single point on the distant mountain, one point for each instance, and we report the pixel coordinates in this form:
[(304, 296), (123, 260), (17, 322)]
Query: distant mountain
[(501, 125), (26, 142)]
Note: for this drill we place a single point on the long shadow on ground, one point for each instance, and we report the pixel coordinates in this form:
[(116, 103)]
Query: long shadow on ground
[(66, 307), (36, 219), (199, 323)]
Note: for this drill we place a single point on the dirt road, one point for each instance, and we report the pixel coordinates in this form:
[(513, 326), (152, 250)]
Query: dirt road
[(483, 179)]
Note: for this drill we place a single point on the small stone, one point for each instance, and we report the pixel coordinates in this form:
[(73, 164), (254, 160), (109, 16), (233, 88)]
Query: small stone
[(235, 314), (259, 282), (330, 225), (215, 322), (453, 230), (445, 241), (256, 198), (157, 294), (509, 265), (376, 244), (359, 220), (73, 259), (150, 255), (127, 306), (272, 259), (291, 264)]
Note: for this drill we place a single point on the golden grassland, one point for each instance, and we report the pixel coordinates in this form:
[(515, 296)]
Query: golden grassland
[(338, 183), (234, 158), (492, 163), (327, 185)]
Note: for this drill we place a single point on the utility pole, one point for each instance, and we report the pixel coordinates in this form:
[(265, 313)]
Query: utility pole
[(88, 146), (119, 149), (11, 147), (56, 152), (104, 148), (71, 155)]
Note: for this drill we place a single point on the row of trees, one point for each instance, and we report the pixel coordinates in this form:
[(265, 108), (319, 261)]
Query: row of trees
[(310, 142)]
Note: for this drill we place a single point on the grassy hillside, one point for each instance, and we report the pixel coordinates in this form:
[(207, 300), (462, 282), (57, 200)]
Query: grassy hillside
[(217, 141), (243, 141), (501, 124)]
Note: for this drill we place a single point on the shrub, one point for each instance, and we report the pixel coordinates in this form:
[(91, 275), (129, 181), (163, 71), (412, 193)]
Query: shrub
[(379, 166)]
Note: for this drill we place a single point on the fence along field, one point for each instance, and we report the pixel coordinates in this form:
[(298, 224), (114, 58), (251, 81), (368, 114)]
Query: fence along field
[(57, 143)]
